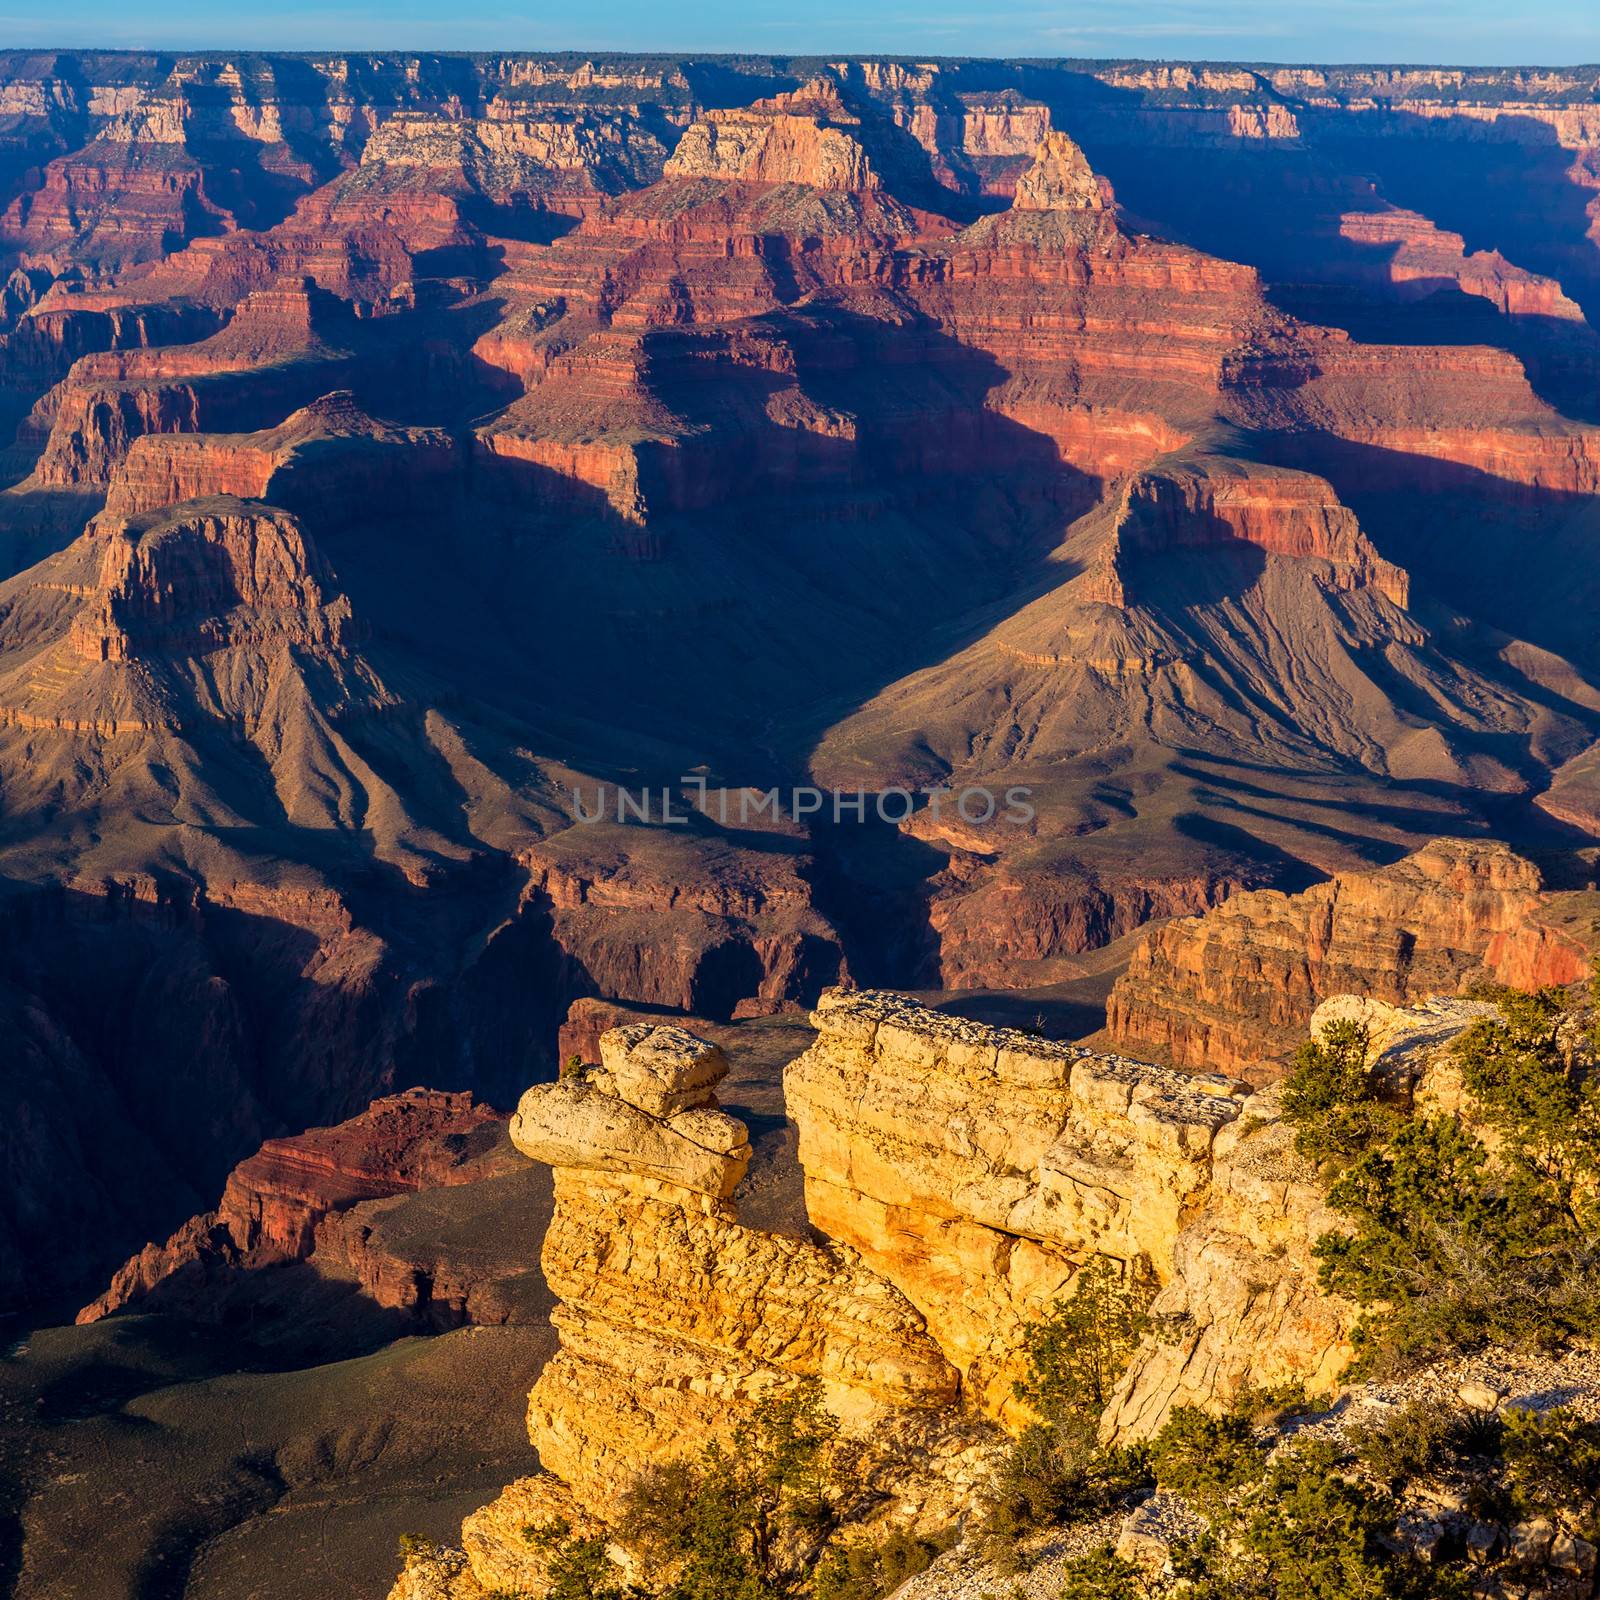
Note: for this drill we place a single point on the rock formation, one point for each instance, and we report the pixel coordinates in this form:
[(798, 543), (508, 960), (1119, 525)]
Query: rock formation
[(976, 1169), (808, 137), (1060, 179), (1237, 986), (306, 1198), (959, 1176), (665, 1300), (675, 1320)]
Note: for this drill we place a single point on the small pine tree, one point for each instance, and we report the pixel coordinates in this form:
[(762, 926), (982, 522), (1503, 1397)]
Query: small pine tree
[(1055, 1471), (1078, 1349), (1331, 1098)]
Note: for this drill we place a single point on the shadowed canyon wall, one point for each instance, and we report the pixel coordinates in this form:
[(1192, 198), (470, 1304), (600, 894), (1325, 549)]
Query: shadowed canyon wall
[(407, 446)]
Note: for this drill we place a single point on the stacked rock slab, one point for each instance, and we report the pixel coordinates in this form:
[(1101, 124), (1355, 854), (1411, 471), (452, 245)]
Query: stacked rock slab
[(1241, 1308), (978, 1168), (674, 1320), (962, 1176)]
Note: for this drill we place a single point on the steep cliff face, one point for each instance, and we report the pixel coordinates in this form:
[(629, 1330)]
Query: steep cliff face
[(329, 458), (959, 1176), (665, 1299), (1242, 1307), (808, 137), (1237, 986), (675, 1320), (275, 1203), (1216, 502), (977, 1168)]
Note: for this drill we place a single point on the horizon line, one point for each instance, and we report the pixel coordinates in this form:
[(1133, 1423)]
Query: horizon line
[(914, 57)]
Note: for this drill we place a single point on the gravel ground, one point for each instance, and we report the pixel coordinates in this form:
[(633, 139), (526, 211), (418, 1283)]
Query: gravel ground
[(1488, 1379), (961, 1574)]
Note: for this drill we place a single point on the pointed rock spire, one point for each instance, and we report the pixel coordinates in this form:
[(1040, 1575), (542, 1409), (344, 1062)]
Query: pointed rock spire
[(1061, 179)]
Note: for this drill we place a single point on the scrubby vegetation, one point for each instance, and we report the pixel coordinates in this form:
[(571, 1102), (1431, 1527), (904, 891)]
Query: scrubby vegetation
[(1056, 1471), (578, 1569), (1465, 1228), (1296, 1525), (765, 1517), (864, 1568), (1472, 1219)]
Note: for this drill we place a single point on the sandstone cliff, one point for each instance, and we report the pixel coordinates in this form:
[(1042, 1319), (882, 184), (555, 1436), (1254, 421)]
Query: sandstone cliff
[(977, 1168), (959, 1176), (1237, 986), (807, 137), (675, 1320)]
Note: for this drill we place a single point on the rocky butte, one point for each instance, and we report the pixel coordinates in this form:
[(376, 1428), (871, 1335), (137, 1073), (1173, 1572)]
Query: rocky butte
[(1238, 985)]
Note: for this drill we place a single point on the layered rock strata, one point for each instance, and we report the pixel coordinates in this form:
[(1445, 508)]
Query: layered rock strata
[(666, 1301), (1236, 987), (278, 1205), (961, 1175), (978, 1168)]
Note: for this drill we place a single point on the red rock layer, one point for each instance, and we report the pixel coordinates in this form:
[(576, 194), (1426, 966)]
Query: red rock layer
[(1284, 514), (275, 1202), (328, 457), (200, 583), (1234, 989), (1416, 255)]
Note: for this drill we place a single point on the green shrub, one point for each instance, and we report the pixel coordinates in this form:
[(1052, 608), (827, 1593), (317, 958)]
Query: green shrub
[(576, 1569), (867, 1569), (656, 1508), (1332, 1100), (1054, 1475), (1320, 1535), (1102, 1574), (1078, 1349), (741, 1522), (1054, 1472), (1304, 1530), (1206, 1459), (1544, 1108), (1270, 1407), (1552, 1466), (1457, 1240), (1414, 1442)]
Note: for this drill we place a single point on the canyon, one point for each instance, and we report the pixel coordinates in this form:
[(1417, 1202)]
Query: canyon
[(415, 464), (694, 1218), (408, 448)]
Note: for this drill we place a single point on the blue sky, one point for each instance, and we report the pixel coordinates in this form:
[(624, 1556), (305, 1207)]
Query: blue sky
[(1489, 32)]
